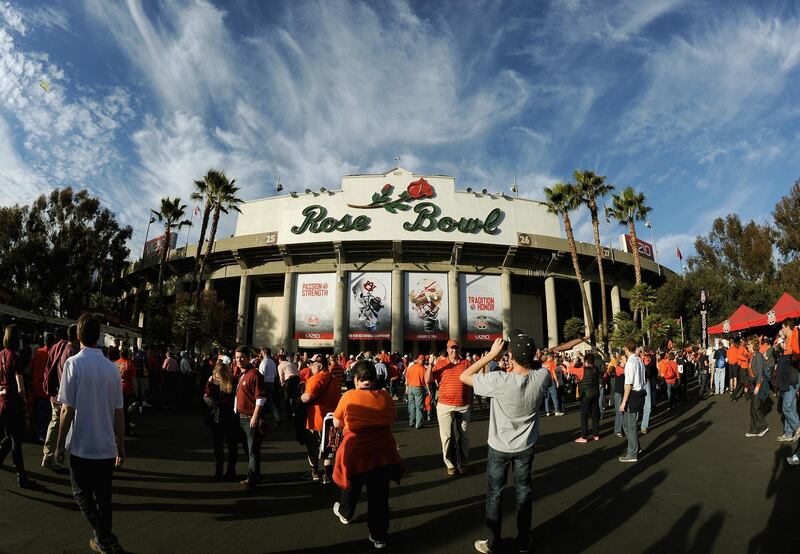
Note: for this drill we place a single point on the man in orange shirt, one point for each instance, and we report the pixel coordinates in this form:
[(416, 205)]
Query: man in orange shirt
[(453, 405), (127, 373), (322, 394), (415, 387), (733, 364)]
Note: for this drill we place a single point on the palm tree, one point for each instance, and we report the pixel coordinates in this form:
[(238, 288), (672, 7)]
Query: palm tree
[(561, 199), (222, 195), (628, 208), (209, 182), (643, 298), (170, 214), (593, 187)]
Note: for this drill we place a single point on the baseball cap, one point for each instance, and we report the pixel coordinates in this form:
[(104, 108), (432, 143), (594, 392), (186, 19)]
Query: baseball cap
[(522, 347), (451, 343)]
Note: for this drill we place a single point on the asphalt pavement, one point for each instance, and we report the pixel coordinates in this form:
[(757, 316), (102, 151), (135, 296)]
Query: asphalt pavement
[(699, 486)]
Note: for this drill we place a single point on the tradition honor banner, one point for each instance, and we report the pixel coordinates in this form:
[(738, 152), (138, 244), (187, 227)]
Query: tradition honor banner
[(370, 312), (314, 306), (480, 307), (426, 310)]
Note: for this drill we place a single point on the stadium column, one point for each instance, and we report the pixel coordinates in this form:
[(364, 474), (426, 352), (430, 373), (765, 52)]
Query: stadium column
[(587, 286), (505, 300), (287, 319), (339, 338), (209, 284), (552, 311), (244, 303), (616, 302), (397, 310), (453, 304)]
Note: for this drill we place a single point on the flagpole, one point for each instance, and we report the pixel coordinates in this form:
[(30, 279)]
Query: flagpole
[(189, 227)]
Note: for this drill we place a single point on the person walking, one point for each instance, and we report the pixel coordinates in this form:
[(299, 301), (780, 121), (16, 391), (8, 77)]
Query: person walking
[(669, 371), (617, 373), (289, 377), (732, 356), (93, 430), (61, 351), (513, 431), (127, 373), (651, 374), (322, 394), (760, 401), (590, 388), (269, 371), (251, 396), (453, 405), (368, 453), (171, 370), (142, 377), (12, 405), (632, 400), (415, 389), (720, 369), (219, 396)]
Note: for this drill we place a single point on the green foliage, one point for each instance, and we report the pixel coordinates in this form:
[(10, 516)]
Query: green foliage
[(787, 223), (660, 329), (643, 298), (158, 322), (50, 249), (574, 328), (740, 251), (209, 318), (623, 330)]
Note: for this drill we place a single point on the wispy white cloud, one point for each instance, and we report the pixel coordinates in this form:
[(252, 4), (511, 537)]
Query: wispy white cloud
[(48, 17)]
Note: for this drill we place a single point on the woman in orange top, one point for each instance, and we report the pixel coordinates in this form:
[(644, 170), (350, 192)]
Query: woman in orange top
[(368, 452), (322, 394)]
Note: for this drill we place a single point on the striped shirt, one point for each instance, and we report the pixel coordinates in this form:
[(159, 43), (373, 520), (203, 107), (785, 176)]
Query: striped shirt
[(451, 390)]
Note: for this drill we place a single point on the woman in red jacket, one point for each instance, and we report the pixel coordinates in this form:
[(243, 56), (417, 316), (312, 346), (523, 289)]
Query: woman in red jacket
[(12, 405), (368, 452)]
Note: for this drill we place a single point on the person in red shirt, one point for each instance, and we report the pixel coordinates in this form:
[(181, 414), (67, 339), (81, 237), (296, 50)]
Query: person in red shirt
[(251, 397), (453, 405), (415, 388), (322, 394), (43, 410), (744, 374), (669, 371), (127, 373), (732, 356)]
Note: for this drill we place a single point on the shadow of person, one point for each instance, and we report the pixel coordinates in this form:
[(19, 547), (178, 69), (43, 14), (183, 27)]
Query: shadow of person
[(678, 538), (781, 530)]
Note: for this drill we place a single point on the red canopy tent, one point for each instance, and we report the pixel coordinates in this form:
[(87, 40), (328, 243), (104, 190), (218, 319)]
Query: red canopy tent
[(786, 306), (742, 318)]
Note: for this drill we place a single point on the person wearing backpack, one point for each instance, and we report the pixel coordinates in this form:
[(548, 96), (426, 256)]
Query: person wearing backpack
[(719, 369), (56, 359), (669, 371)]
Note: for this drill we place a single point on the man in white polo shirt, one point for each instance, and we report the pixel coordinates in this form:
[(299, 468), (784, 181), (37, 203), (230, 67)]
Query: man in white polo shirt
[(632, 400), (93, 428)]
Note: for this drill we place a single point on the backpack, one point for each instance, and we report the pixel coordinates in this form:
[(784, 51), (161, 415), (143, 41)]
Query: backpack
[(51, 379)]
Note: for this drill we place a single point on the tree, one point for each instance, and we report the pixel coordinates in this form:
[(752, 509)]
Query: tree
[(787, 223), (59, 250), (170, 214), (593, 187), (624, 329), (222, 193), (561, 199), (574, 328), (208, 318), (202, 194), (660, 329), (643, 298), (738, 251), (627, 208)]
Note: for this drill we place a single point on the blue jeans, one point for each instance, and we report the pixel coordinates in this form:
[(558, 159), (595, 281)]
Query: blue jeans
[(416, 406), (670, 389), (649, 400), (497, 464), (789, 408), (253, 450), (631, 432), (602, 401), (719, 380), (551, 397), (617, 413)]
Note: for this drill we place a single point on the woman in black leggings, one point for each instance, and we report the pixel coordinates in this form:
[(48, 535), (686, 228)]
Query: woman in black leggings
[(219, 394)]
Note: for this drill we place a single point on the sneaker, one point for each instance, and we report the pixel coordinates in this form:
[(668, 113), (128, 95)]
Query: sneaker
[(784, 438), (596, 438), (796, 434), (50, 463), (644, 431), (342, 519), (559, 413), (376, 543), (628, 460), (526, 549), (764, 432), (581, 440), (451, 471), (483, 546), (793, 460), (326, 480), (620, 435), (547, 414), (750, 435), (96, 546)]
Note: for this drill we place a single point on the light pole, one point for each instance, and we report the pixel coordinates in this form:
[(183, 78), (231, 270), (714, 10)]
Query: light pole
[(147, 234), (649, 225), (703, 318)]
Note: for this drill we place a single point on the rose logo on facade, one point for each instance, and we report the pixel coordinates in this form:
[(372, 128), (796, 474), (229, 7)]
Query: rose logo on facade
[(416, 190), (772, 319)]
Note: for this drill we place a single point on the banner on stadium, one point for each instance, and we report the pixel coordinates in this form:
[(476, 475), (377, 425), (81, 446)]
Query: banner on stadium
[(370, 312), (155, 246), (646, 249), (481, 307), (426, 310), (314, 300)]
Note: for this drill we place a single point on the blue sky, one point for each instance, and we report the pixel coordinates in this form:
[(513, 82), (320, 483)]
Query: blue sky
[(697, 104)]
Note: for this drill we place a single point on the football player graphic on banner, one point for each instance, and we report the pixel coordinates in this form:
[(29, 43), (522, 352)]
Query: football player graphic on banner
[(426, 299), (369, 298)]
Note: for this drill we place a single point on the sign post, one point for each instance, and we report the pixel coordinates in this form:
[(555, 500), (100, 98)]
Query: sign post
[(703, 318)]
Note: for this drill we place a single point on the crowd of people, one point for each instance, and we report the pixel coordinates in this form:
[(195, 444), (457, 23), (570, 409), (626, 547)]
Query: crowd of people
[(342, 407)]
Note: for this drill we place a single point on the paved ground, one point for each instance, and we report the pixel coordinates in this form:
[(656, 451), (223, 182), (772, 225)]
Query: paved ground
[(699, 486)]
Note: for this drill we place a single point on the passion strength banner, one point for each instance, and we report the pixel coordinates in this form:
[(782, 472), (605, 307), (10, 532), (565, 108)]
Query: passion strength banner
[(370, 301), (426, 310), (314, 304), (481, 307)]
